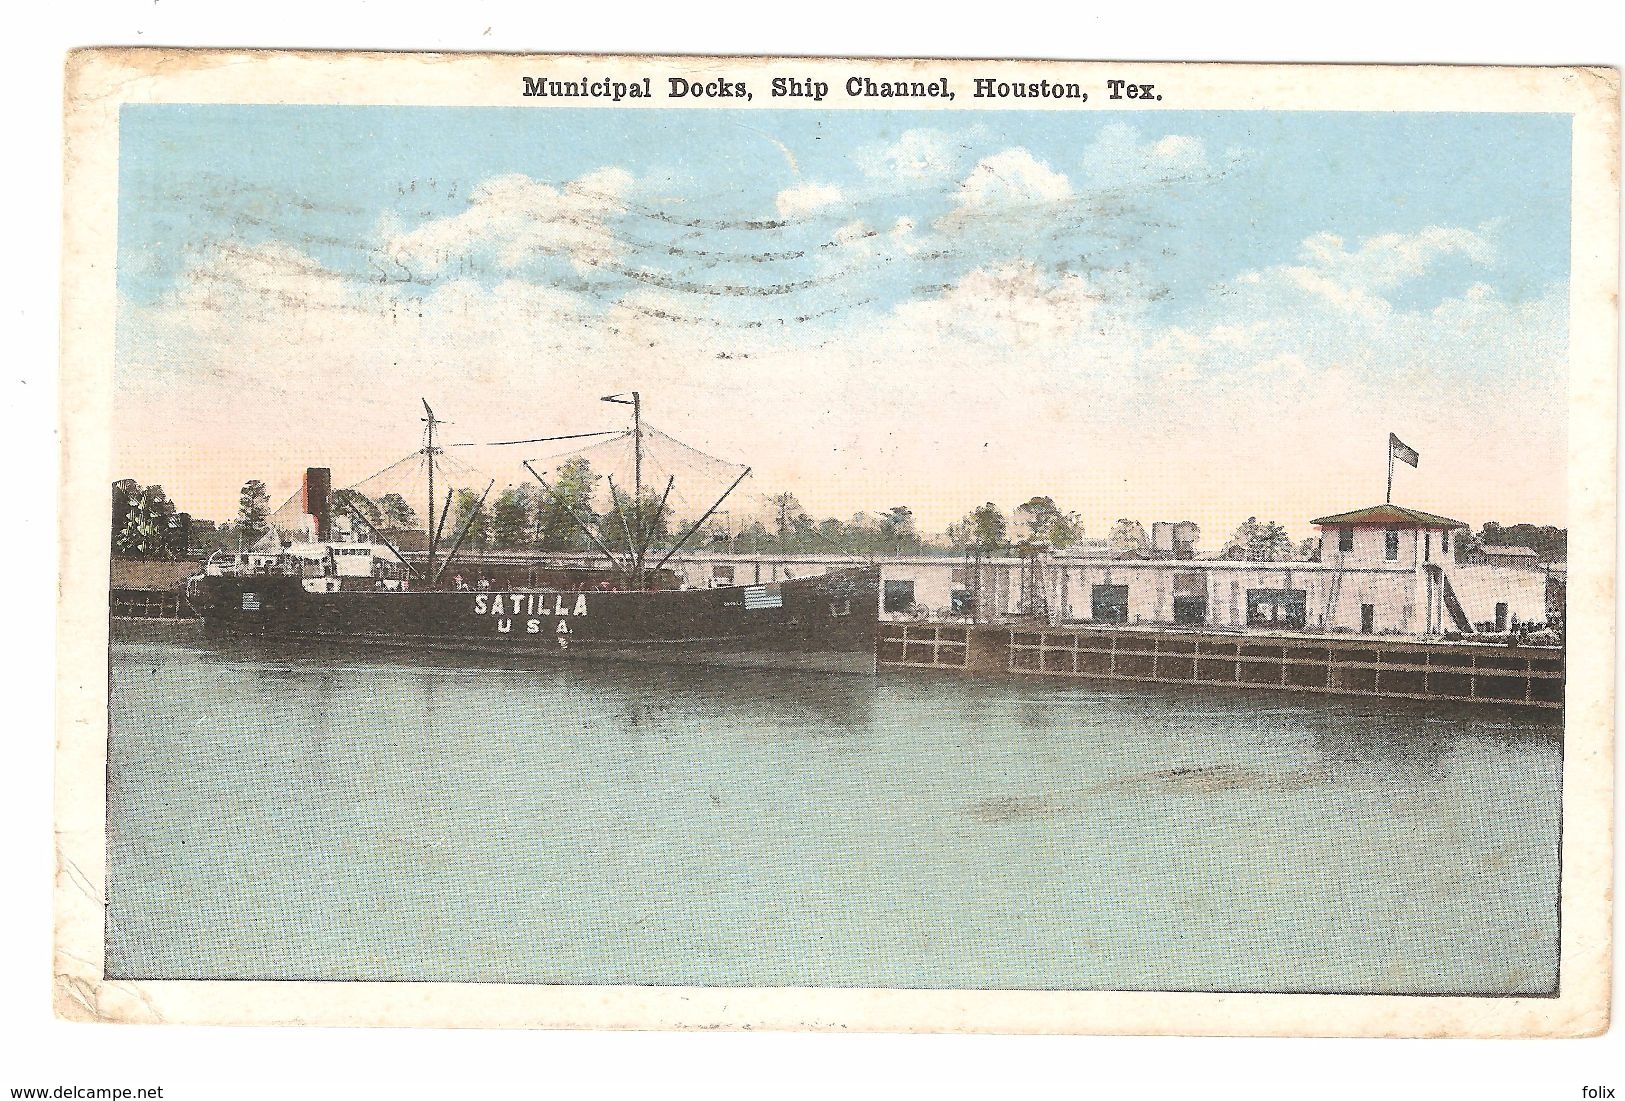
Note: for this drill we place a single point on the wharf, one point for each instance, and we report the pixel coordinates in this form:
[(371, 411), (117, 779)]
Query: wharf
[(1464, 672), (150, 604)]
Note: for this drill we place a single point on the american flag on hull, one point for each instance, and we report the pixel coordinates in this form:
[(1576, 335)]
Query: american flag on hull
[(759, 597), (251, 602)]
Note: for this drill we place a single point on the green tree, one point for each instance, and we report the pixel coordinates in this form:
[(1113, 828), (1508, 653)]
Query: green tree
[(208, 537), (369, 509), (253, 511), (804, 533), (125, 493), (1046, 523), (832, 534), (647, 522), (1127, 539), (983, 528), (752, 537), (180, 534), (511, 523), (146, 528), (573, 487), (1036, 514), (1253, 541), (397, 513), (863, 534), (468, 509), (785, 510), (897, 528)]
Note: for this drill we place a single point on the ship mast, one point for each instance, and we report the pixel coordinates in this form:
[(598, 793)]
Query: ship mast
[(644, 534), (639, 546), (640, 527), (429, 452)]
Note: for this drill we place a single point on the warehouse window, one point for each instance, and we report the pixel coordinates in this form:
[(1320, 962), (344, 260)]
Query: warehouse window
[(1390, 549), (899, 596), (1190, 598), (1190, 611), (1286, 608), (1345, 538), (1109, 603), (723, 573)]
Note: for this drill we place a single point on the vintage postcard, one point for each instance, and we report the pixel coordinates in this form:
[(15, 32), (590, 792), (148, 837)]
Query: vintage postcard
[(677, 542)]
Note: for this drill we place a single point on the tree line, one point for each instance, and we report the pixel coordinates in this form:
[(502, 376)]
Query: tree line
[(1550, 544), (562, 518)]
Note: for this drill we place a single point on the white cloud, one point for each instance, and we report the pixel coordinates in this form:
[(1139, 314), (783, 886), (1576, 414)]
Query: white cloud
[(1010, 180), (1118, 158), (916, 156), (806, 198), (902, 235), (512, 220), (852, 233), (1008, 305), (232, 277), (857, 242), (1389, 259), (1330, 313), (1351, 283), (1353, 300)]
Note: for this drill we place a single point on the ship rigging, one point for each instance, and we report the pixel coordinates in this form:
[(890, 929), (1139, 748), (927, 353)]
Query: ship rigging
[(628, 533)]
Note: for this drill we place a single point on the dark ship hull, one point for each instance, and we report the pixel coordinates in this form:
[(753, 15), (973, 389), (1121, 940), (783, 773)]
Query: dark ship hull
[(818, 623)]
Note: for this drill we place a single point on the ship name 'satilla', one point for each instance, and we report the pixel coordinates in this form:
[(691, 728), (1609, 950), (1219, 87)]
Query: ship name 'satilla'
[(527, 604)]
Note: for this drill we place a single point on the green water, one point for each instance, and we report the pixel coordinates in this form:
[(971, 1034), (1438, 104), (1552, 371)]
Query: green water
[(335, 817)]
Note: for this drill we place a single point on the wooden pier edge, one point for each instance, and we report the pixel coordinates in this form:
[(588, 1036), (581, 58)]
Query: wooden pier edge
[(1452, 672), (150, 604)]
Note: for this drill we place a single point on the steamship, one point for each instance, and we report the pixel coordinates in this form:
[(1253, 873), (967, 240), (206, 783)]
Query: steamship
[(370, 594)]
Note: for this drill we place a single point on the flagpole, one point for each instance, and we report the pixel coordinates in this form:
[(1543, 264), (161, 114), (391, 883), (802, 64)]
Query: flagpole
[(1388, 498)]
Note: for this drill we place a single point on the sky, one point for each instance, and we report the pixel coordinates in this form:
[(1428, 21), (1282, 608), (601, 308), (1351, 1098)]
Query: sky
[(1158, 316)]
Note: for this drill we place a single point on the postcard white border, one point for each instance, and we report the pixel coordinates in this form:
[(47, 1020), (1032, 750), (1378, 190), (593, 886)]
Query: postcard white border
[(101, 81)]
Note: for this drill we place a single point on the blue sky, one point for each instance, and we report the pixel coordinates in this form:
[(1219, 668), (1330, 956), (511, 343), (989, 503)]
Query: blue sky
[(323, 177), (1132, 247)]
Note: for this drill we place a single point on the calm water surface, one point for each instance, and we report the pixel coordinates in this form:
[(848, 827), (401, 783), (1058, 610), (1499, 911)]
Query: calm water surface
[(334, 817)]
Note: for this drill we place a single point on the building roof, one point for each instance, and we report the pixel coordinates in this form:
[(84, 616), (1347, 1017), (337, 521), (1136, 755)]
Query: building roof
[(1511, 552), (1389, 516)]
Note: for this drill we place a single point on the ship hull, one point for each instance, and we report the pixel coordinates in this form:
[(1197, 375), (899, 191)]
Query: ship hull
[(825, 623)]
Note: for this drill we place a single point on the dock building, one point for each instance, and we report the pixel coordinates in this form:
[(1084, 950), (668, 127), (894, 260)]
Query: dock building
[(1384, 570)]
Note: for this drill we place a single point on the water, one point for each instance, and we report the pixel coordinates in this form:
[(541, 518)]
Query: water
[(341, 817)]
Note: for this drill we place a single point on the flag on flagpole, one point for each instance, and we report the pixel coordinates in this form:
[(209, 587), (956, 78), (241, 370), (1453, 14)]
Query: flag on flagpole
[(1400, 451)]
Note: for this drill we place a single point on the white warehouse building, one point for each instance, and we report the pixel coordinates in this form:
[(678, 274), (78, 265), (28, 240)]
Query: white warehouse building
[(1385, 570)]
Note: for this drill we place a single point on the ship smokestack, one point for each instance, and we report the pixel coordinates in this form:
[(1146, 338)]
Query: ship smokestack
[(316, 495)]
